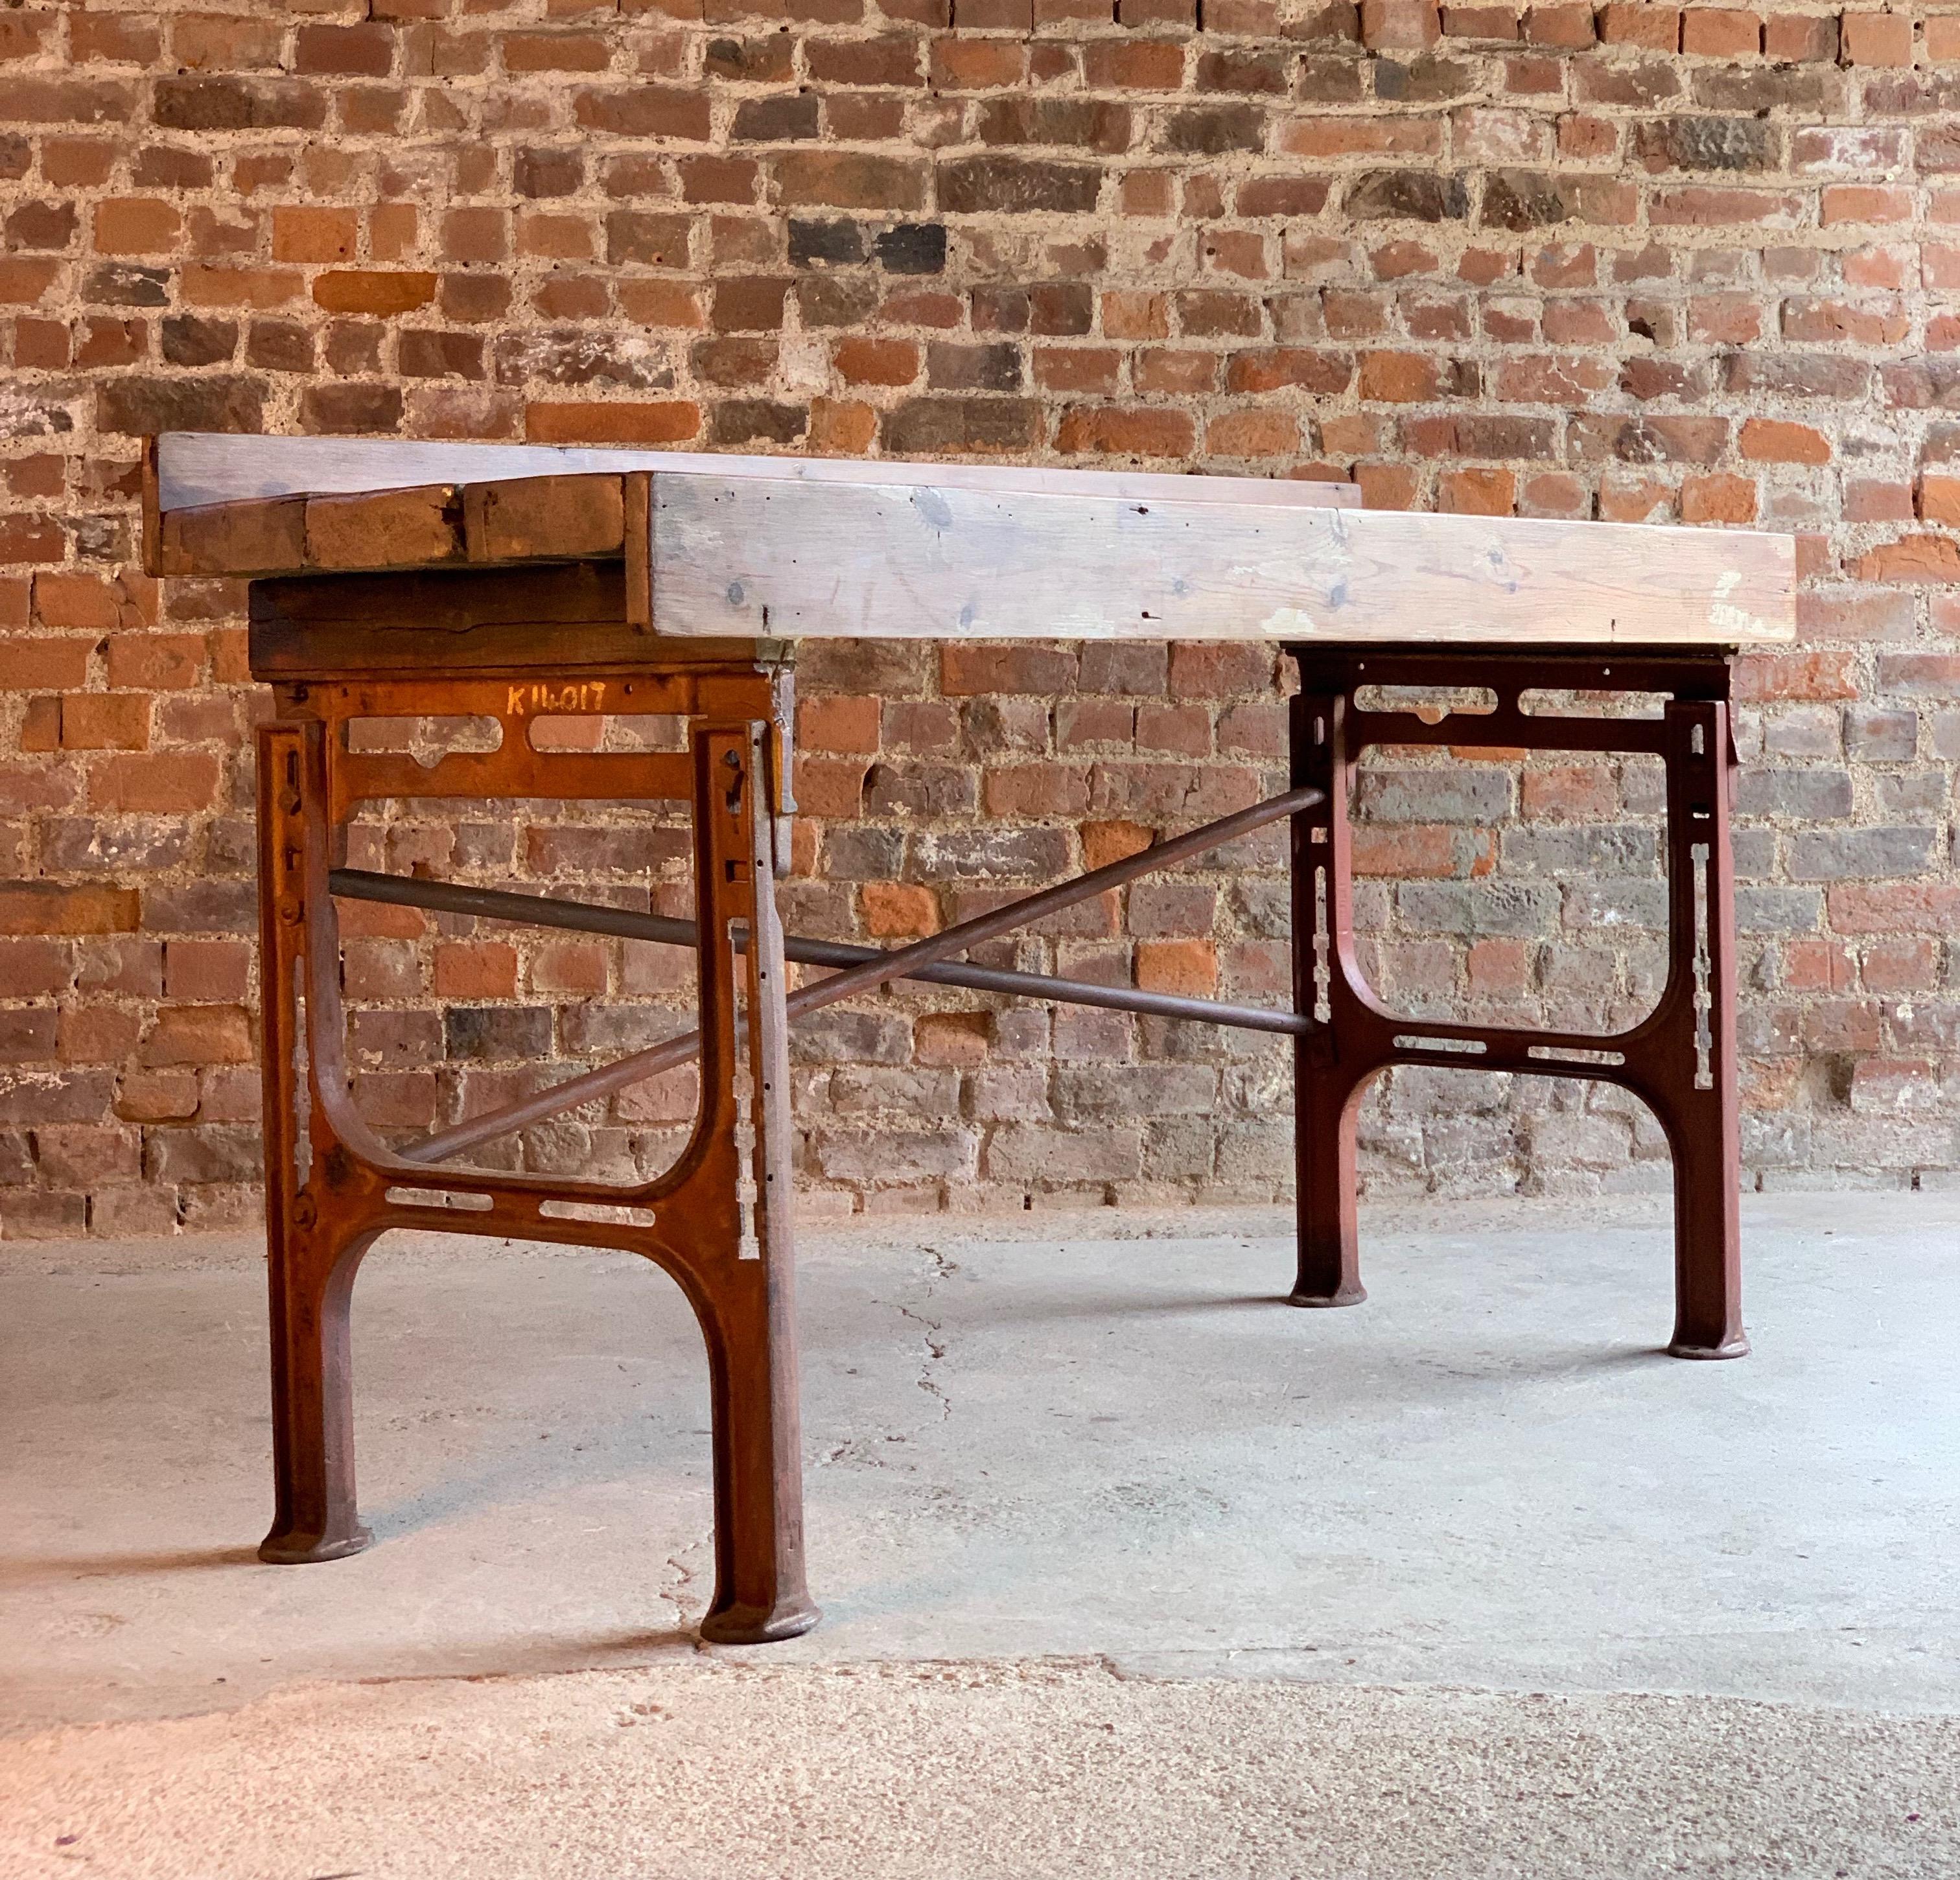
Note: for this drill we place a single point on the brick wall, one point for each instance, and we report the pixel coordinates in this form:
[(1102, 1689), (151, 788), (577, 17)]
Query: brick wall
[(1635, 262)]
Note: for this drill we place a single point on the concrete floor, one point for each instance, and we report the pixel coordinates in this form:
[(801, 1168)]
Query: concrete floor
[(1073, 1474)]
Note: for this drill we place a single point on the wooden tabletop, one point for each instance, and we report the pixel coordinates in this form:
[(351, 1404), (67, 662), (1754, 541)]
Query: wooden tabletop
[(732, 547)]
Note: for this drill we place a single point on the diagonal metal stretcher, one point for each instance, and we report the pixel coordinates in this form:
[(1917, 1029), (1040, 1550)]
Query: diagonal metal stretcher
[(865, 968)]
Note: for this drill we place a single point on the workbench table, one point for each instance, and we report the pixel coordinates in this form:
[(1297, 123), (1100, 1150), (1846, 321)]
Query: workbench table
[(393, 580)]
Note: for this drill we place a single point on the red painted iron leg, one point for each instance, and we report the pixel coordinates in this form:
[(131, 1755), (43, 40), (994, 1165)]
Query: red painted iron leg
[(1701, 1111), (1680, 1060), (1326, 1090)]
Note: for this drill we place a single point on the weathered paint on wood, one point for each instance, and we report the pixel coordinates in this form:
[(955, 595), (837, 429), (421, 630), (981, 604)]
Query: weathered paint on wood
[(196, 468), (890, 562)]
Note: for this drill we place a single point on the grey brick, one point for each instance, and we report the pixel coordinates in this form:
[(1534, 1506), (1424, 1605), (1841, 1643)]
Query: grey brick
[(1769, 910), (1802, 731), (208, 1154), (1084, 1093), (1478, 794), (1860, 854), (835, 1037), (863, 852), (860, 1089), (1755, 851), (1474, 910), (1919, 793), (1583, 849), (1801, 795), (488, 1033), (887, 1155), (1880, 733), (1029, 1152), (939, 855), (1589, 905)]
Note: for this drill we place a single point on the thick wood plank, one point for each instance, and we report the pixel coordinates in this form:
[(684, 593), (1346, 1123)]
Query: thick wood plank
[(396, 528), (196, 468), (782, 547), (254, 538), (544, 518), (735, 555)]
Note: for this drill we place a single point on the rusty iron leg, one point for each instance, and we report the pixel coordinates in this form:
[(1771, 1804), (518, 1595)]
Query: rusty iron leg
[(316, 1516), (718, 1222), (741, 1270), (311, 1272), (1680, 1059)]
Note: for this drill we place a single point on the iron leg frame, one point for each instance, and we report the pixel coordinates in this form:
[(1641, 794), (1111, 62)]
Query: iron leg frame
[(1680, 1060), (718, 1222)]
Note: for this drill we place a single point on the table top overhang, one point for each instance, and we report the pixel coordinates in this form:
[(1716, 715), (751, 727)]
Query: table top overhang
[(780, 548)]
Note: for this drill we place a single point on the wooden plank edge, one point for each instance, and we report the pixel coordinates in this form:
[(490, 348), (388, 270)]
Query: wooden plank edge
[(419, 527), (152, 501), (637, 495)]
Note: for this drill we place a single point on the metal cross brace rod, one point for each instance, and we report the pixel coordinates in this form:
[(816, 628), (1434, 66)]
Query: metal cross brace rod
[(865, 976), (590, 917)]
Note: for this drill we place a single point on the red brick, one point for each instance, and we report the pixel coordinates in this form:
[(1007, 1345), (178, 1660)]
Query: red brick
[(307, 233), (135, 225), (105, 721), (1761, 676), (1643, 23), (476, 969), (1778, 440), (160, 781), (48, 907), (1400, 25), (198, 1035), (1939, 499), (368, 291), (367, 50), (1801, 38), (1113, 431), (1719, 499), (1721, 32), (898, 910), (1876, 39), (1570, 26), (33, 664), (673, 421), (1914, 558)]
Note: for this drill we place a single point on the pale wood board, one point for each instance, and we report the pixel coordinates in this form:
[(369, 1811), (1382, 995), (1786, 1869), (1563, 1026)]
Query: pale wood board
[(195, 467), (786, 547), (883, 561)]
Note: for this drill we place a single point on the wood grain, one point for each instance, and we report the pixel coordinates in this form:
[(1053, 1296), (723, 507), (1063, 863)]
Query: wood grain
[(720, 547), (544, 518), (395, 528), (734, 556), (267, 537), (566, 618), (637, 495)]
